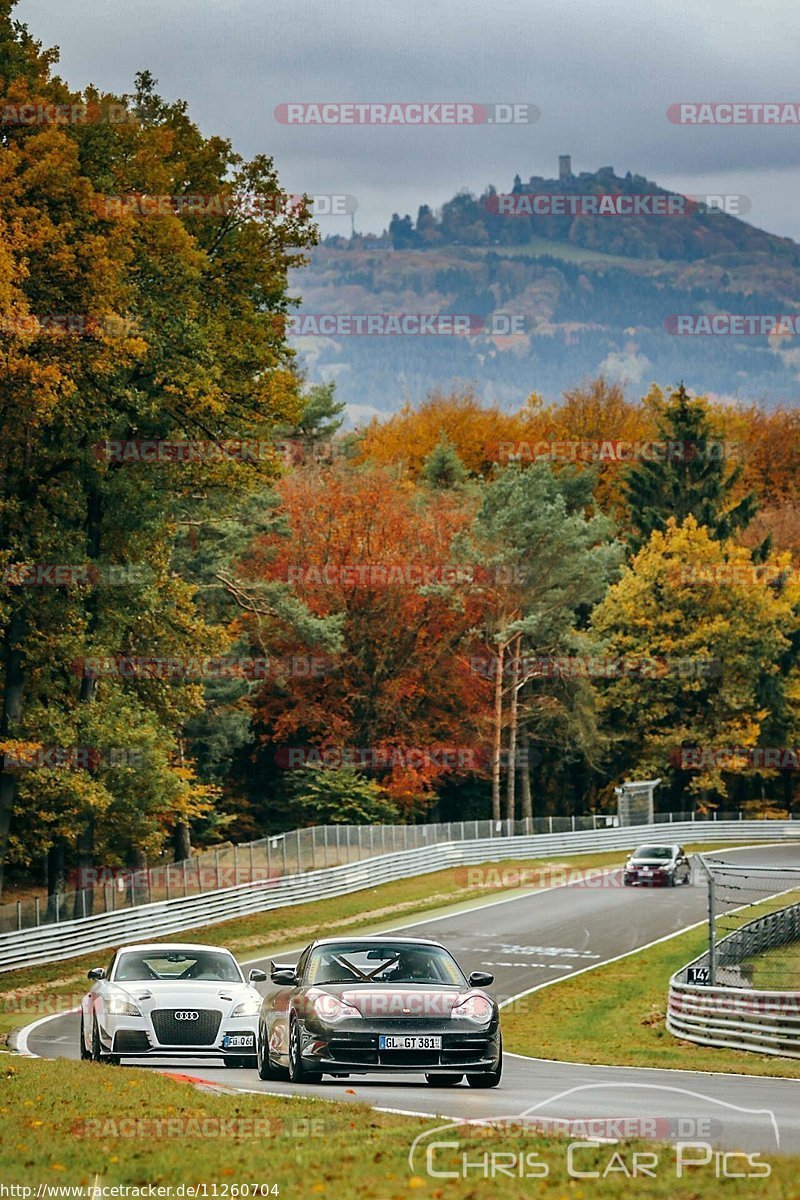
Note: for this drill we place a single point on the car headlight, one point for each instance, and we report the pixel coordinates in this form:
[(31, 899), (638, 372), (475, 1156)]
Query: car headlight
[(332, 1009), (474, 1008), (248, 1008), (120, 1006)]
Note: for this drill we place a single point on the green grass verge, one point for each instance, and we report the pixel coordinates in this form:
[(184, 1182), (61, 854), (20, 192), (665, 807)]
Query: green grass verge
[(777, 970), (38, 991), (81, 1124), (616, 1014)]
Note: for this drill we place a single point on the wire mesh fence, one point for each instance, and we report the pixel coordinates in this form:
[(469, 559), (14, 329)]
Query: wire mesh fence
[(108, 889), (754, 927)]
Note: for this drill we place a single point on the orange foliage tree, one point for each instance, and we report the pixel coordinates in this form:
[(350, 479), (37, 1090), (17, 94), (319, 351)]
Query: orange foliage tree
[(400, 699)]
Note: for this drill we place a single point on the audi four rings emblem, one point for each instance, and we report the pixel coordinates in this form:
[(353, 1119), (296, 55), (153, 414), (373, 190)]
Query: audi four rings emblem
[(187, 1016)]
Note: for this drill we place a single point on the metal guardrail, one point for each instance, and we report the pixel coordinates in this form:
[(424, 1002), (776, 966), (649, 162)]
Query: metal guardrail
[(52, 943), (739, 1017), (107, 890)]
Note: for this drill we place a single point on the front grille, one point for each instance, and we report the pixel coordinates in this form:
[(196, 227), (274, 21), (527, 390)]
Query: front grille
[(131, 1041), (172, 1032)]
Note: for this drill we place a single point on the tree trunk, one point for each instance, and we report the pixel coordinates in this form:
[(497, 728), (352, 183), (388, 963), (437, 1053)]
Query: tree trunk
[(497, 732), (83, 904), (511, 782), (56, 877), (12, 709), (181, 842), (84, 896), (526, 798)]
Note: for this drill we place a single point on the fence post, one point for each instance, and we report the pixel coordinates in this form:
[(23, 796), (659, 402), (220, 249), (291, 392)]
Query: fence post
[(712, 943), (283, 844), (185, 879), (235, 864), (36, 907), (216, 871), (383, 839), (313, 847), (550, 819), (19, 913)]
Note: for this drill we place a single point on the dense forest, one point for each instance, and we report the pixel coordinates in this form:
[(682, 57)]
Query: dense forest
[(222, 613)]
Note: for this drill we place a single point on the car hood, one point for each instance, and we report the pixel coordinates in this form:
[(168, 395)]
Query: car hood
[(400, 1000), (164, 993)]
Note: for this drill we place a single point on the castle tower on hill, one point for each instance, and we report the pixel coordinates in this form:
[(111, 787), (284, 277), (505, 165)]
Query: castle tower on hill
[(564, 168)]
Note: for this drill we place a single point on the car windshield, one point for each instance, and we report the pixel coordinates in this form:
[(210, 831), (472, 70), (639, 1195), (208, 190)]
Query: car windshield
[(211, 966), (654, 852), (389, 963)]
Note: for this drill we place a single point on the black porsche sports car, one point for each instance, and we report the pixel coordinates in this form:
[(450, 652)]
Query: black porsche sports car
[(377, 1005)]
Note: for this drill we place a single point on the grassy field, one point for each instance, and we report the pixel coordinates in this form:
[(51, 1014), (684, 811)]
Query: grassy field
[(615, 1014), (38, 991), (137, 1128)]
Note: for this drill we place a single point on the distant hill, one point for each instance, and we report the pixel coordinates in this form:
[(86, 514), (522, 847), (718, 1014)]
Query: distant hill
[(589, 294)]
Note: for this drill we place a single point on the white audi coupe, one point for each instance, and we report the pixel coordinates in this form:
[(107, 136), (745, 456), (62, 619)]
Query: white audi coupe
[(171, 1001)]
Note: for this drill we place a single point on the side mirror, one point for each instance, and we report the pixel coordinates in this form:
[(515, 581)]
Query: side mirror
[(283, 975), (481, 979), (96, 973), (257, 975)]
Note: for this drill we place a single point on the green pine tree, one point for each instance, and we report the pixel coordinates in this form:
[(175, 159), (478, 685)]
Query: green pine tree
[(443, 469), (692, 479)]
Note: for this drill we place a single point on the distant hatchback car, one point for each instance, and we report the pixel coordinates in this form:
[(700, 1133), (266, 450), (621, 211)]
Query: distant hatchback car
[(383, 1005), (170, 1001), (663, 864)]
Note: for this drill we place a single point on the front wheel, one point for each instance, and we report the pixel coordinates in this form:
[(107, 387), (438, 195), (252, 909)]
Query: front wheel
[(297, 1072), (96, 1054), (488, 1079), (443, 1080), (85, 1054)]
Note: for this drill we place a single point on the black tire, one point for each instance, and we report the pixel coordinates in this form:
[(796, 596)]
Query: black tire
[(85, 1054), (671, 880), (264, 1064), (488, 1079), (97, 1050), (443, 1080), (297, 1072)]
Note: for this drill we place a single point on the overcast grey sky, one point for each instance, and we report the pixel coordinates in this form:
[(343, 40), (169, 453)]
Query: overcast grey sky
[(602, 72)]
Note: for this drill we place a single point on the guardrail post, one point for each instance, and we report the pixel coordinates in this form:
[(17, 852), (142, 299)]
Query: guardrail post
[(550, 819), (185, 879), (166, 879), (216, 868), (297, 840), (383, 839), (235, 864), (36, 909), (252, 870), (19, 914), (83, 904), (314, 848), (712, 936)]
